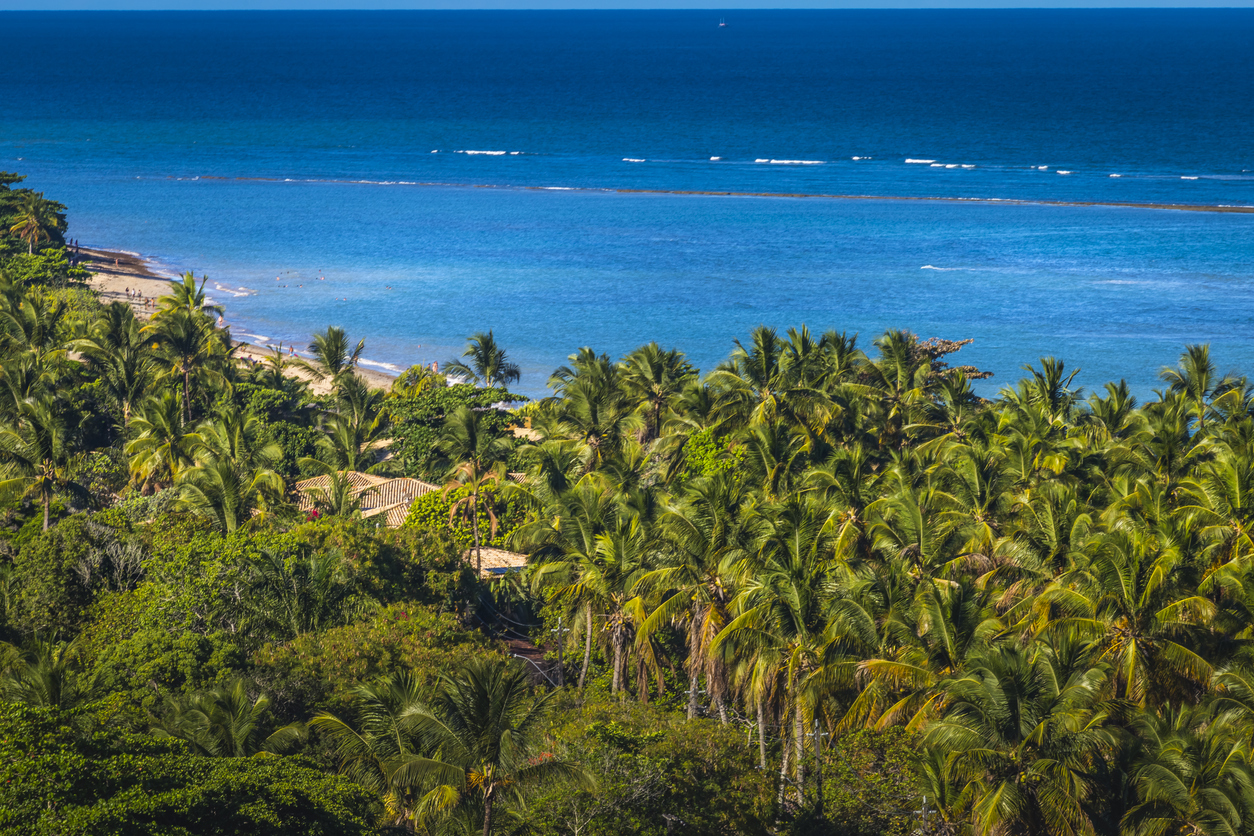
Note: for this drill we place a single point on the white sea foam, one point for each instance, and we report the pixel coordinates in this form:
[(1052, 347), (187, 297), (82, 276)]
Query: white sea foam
[(797, 162), (392, 367), (260, 340), (1116, 175), (937, 165), (866, 158), (487, 153), (968, 166), (1188, 178), (558, 188), (715, 159), (952, 165), (436, 151), (243, 291), (632, 160), (941, 269), (926, 162), (1060, 171), (761, 161), (1042, 168)]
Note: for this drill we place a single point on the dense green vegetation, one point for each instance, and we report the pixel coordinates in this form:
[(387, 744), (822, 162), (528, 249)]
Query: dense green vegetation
[(817, 590)]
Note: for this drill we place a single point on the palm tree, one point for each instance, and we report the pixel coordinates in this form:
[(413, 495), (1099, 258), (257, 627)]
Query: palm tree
[(477, 458), (37, 456), (46, 673), (705, 536), (185, 297), (564, 543), (191, 348), (119, 355), (1021, 733), (162, 444), (224, 722), (488, 365), (35, 219), (486, 736), (785, 620), (293, 593), (1194, 777), (1196, 379), (333, 359), (655, 378), (381, 752), (233, 478)]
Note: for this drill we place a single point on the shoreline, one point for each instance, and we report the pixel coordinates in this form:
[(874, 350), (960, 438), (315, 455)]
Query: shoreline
[(114, 271)]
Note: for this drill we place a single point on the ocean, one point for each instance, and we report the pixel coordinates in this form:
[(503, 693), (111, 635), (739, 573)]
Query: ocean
[(549, 175)]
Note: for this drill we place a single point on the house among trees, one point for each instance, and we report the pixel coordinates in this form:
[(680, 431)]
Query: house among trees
[(375, 495)]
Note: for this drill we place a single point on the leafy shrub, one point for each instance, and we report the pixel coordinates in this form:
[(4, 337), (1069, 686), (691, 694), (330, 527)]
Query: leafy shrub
[(53, 781), (416, 422), (430, 512), (706, 454), (317, 670), (648, 764)]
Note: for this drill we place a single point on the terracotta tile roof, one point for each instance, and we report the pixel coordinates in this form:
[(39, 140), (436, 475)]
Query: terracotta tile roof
[(497, 561), (378, 494)]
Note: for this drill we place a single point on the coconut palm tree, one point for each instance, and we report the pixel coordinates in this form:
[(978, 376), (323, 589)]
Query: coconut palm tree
[(1021, 732), (381, 752), (784, 620), (1194, 777), (118, 353), (35, 219), (488, 363), (486, 733), (38, 456), (162, 442), (654, 378), (1197, 381), (187, 298), (46, 673), (233, 478), (225, 722), (191, 349), (706, 536), (477, 457), (332, 357)]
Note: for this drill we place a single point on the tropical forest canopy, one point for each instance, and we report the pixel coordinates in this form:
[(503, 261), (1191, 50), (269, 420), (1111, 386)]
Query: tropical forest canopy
[(823, 588)]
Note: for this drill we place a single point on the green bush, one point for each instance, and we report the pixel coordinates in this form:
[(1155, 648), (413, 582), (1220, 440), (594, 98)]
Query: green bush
[(317, 670), (55, 783), (430, 512), (416, 422), (706, 454), (650, 763)]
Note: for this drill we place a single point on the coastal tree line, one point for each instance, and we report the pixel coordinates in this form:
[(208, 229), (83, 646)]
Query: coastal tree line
[(822, 588)]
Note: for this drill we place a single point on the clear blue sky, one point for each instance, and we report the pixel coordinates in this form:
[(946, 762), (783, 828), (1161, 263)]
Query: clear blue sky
[(50, 5)]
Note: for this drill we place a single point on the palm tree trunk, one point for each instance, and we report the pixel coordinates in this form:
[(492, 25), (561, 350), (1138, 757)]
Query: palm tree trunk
[(487, 816), (617, 681), (475, 524), (722, 709), (587, 644), (799, 741), (761, 734), (187, 394), (784, 763), (694, 683), (47, 504)]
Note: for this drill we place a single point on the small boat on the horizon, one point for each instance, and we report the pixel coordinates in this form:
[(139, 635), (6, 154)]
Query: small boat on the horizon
[(722, 23)]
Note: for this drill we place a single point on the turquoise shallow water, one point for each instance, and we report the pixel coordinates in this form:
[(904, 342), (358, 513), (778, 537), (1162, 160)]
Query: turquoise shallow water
[(135, 107)]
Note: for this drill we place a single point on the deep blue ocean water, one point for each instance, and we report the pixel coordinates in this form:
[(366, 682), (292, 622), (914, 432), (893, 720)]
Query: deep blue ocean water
[(293, 144)]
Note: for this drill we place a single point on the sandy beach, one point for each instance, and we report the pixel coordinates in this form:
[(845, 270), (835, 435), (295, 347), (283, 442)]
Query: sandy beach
[(115, 272)]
